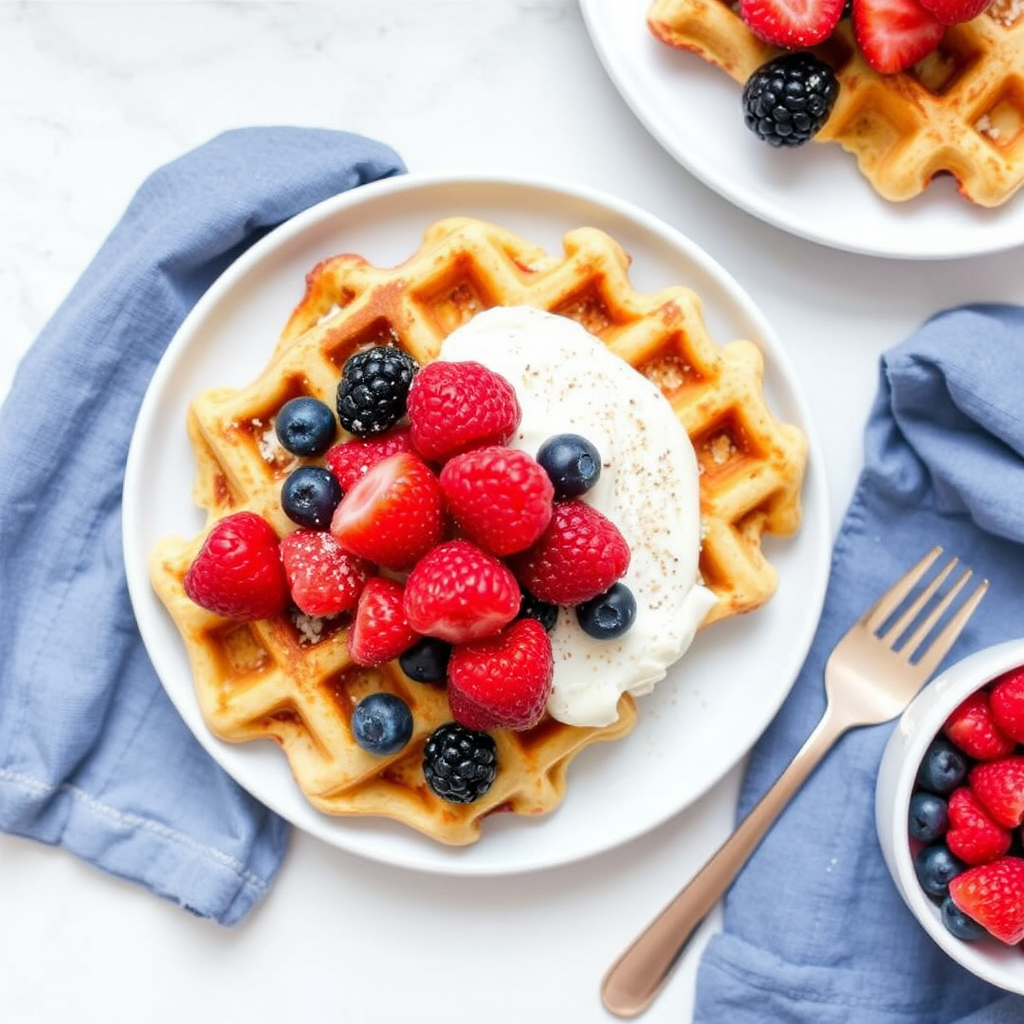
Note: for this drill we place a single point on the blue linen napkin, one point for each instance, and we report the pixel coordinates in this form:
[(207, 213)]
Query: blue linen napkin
[(814, 930), (93, 756)]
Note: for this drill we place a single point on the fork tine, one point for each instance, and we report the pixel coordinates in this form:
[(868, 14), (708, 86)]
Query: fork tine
[(930, 659), (904, 622), (928, 624), (897, 593)]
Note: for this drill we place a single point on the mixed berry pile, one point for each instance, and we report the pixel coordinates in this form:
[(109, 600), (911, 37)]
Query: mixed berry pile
[(447, 549), (787, 100), (967, 813)]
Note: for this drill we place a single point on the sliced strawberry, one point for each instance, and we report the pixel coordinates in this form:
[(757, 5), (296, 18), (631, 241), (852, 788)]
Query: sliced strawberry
[(394, 514), (953, 12), (459, 593), (503, 682), (350, 460), (972, 727), (993, 895), (238, 571), (999, 785), (793, 24), (894, 34), (972, 835), (324, 578), (380, 630), (1007, 702)]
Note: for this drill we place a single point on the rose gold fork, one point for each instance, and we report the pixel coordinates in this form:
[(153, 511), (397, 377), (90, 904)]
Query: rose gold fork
[(870, 677)]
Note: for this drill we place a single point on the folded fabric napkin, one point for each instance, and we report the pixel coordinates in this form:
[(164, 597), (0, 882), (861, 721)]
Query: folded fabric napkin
[(93, 756), (814, 929)]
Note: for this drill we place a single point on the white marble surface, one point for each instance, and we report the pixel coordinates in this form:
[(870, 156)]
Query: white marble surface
[(95, 95)]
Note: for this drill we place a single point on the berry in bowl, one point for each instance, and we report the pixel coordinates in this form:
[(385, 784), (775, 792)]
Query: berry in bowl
[(950, 812)]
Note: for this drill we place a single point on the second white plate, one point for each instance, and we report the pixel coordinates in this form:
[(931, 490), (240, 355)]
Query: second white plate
[(815, 191), (717, 700)]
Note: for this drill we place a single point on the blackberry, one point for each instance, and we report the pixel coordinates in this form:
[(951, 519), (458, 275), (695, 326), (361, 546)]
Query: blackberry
[(787, 100), (459, 764), (373, 389)]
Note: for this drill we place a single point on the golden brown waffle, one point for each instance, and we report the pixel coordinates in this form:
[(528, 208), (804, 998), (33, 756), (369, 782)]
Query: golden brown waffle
[(960, 111), (290, 679)]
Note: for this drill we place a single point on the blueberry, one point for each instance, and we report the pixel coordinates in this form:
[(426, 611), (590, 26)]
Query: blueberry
[(531, 607), (608, 615), (936, 867), (305, 426), (427, 660), (928, 817), (572, 463), (943, 767), (382, 723), (958, 923), (309, 497)]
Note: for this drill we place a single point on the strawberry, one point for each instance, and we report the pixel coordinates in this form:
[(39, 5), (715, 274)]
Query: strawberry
[(459, 593), (238, 571), (502, 682), (324, 578), (393, 514), (953, 12), (580, 555), (350, 460), (500, 497), (1007, 702), (454, 407), (999, 785), (973, 729), (993, 895), (893, 34), (380, 631), (793, 24), (972, 835)]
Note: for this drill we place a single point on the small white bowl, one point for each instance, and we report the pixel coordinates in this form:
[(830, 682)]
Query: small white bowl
[(987, 958)]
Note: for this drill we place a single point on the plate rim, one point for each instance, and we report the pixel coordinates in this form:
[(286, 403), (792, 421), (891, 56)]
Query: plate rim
[(777, 359), (595, 13)]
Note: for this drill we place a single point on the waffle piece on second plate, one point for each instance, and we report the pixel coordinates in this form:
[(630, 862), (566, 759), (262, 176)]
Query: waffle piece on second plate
[(290, 678), (960, 111)]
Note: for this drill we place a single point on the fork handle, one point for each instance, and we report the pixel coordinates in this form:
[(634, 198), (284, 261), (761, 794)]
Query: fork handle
[(636, 978)]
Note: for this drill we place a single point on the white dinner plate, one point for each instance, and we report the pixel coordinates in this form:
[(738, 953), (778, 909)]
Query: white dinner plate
[(698, 723), (814, 191)]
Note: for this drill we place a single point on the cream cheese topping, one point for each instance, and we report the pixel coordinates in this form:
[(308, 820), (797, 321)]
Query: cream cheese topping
[(567, 381)]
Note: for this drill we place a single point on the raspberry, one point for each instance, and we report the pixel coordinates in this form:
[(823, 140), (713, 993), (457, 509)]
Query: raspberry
[(973, 729), (459, 593), (999, 785), (500, 497), (460, 765), (350, 460), (454, 407), (373, 389), (972, 835), (1007, 703), (503, 682), (580, 555), (394, 514), (993, 895), (238, 571), (380, 631), (324, 578)]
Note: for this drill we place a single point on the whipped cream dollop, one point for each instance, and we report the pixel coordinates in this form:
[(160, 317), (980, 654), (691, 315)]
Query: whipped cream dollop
[(567, 381)]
